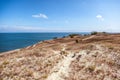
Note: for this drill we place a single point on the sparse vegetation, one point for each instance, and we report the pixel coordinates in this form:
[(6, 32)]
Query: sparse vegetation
[(111, 47), (72, 35), (77, 41), (97, 58), (104, 32), (63, 53), (55, 38), (63, 36), (94, 33), (85, 34), (91, 68)]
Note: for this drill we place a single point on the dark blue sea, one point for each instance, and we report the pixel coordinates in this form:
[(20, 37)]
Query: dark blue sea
[(11, 41)]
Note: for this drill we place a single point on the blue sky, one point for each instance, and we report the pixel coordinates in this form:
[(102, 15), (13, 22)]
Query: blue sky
[(59, 15)]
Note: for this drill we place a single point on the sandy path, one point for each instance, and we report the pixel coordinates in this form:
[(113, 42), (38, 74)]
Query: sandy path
[(61, 70), (88, 38)]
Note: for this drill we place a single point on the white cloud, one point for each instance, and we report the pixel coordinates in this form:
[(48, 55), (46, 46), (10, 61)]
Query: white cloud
[(40, 16), (100, 17)]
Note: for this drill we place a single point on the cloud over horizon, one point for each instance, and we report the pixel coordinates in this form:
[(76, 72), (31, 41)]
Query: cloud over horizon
[(40, 16), (100, 17)]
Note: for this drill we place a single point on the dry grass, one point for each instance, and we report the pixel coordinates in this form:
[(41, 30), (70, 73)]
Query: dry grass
[(96, 65), (95, 58)]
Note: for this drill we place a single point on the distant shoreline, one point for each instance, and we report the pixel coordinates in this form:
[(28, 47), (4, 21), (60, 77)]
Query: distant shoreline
[(87, 33)]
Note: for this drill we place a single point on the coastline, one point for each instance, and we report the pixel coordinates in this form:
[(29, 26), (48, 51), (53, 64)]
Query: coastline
[(11, 41)]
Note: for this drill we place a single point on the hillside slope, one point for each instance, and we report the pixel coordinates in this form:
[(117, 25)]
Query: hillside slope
[(92, 57)]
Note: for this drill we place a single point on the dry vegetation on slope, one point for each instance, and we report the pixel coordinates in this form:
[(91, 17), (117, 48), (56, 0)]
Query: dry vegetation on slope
[(91, 57)]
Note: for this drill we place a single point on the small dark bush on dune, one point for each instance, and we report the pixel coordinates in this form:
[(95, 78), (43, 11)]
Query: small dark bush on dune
[(104, 32), (98, 33), (63, 36), (86, 34), (77, 41), (55, 38), (72, 35), (94, 33)]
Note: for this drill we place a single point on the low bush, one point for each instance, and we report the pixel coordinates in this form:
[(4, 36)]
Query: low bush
[(55, 38), (72, 35), (77, 41), (94, 33)]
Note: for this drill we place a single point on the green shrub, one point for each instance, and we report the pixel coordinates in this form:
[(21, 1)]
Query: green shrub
[(72, 35), (94, 33)]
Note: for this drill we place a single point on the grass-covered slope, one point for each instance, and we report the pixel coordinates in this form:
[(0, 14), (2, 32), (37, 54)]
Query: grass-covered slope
[(90, 57)]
